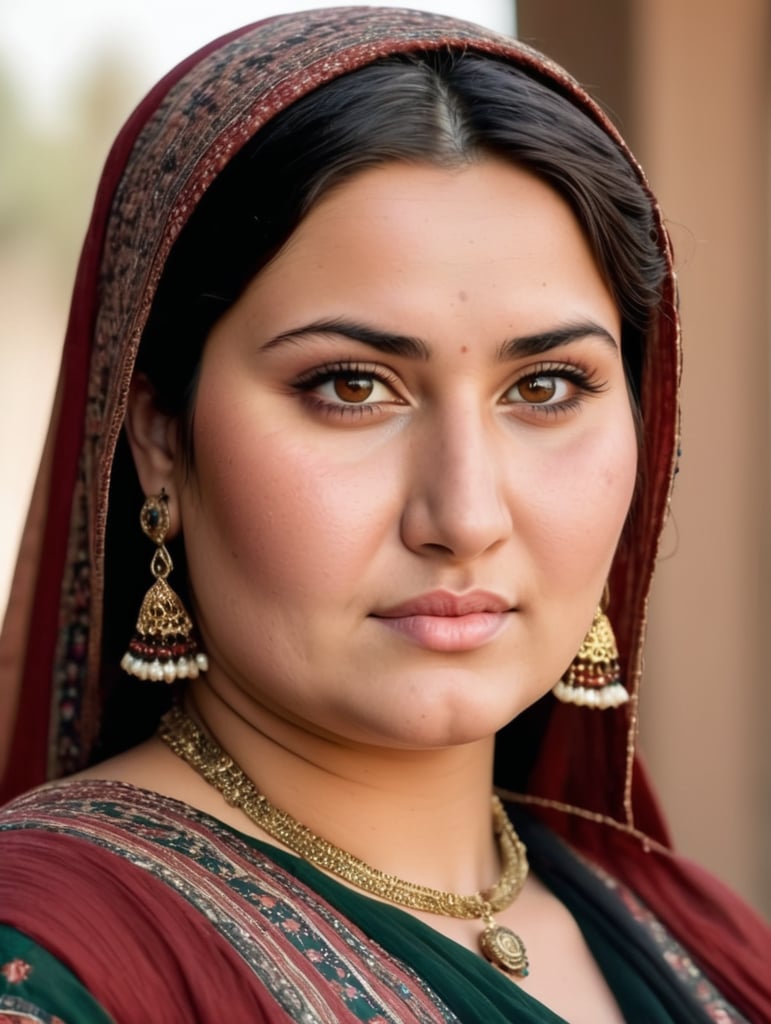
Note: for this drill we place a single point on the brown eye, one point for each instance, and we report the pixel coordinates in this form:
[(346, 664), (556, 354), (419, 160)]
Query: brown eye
[(353, 389), (537, 390)]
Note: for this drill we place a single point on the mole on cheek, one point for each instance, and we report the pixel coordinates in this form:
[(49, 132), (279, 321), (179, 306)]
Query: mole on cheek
[(463, 296)]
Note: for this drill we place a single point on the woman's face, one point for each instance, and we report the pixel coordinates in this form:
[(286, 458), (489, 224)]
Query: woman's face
[(414, 454)]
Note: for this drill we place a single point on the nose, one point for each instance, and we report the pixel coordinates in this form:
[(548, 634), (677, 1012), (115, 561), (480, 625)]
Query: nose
[(457, 506)]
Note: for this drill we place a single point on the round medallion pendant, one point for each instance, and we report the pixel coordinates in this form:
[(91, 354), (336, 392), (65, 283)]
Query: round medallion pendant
[(505, 949)]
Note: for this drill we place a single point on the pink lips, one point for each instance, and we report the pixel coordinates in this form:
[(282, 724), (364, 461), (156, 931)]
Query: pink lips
[(442, 621)]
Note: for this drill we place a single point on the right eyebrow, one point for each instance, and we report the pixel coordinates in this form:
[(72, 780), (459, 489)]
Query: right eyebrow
[(384, 341)]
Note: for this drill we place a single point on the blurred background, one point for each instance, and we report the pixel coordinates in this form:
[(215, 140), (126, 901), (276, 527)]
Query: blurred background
[(688, 83)]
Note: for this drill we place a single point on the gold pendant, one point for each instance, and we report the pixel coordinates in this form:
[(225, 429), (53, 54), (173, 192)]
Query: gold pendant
[(504, 949)]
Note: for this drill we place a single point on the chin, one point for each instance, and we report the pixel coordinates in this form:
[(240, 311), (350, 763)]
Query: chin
[(451, 720)]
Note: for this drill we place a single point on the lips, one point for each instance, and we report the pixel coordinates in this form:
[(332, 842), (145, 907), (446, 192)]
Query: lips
[(447, 622), (446, 604)]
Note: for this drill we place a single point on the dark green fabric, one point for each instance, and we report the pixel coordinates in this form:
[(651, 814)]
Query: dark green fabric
[(477, 992), (646, 988), (48, 990)]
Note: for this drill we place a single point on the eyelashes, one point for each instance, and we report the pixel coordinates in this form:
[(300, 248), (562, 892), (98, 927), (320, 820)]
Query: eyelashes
[(362, 389), (553, 386), (349, 389), (353, 383)]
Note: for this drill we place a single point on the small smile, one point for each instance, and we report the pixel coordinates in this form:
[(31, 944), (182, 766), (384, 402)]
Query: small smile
[(447, 622)]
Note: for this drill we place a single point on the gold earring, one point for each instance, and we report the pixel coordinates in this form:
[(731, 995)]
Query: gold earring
[(593, 679), (163, 647)]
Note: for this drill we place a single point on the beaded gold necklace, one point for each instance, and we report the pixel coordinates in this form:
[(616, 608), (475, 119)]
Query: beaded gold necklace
[(501, 946)]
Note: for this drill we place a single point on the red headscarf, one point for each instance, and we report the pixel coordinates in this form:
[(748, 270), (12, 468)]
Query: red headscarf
[(587, 780)]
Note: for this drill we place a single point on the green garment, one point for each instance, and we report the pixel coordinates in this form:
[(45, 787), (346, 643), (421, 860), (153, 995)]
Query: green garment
[(34, 986)]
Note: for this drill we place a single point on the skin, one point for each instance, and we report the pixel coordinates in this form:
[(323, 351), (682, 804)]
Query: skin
[(334, 481)]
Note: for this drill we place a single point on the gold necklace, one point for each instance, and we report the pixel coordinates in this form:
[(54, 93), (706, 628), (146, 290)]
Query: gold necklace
[(502, 947)]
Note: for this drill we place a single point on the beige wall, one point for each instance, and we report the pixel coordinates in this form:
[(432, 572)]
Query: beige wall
[(688, 80)]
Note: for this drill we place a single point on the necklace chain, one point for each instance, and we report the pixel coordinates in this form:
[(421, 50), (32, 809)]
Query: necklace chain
[(193, 745)]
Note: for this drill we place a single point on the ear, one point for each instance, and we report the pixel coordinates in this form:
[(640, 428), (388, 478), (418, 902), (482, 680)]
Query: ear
[(153, 437)]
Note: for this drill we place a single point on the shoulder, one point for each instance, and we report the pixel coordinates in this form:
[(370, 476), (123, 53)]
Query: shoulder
[(73, 858), (113, 847)]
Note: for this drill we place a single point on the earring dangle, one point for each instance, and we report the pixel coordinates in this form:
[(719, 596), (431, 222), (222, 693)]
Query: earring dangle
[(593, 679), (163, 647)]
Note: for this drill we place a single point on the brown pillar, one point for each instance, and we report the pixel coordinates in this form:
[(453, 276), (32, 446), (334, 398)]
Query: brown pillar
[(689, 83)]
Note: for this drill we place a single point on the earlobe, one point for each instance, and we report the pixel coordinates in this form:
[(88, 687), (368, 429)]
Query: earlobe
[(152, 436)]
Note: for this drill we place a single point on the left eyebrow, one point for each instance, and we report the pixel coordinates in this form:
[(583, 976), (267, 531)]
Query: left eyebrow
[(544, 341), (384, 341)]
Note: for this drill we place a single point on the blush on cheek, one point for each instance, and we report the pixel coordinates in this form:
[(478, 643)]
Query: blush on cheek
[(270, 513), (581, 512)]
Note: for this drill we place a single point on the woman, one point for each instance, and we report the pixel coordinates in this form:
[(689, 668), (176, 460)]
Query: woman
[(387, 312)]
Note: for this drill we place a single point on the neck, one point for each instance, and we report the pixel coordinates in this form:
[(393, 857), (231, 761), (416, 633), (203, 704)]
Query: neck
[(424, 816)]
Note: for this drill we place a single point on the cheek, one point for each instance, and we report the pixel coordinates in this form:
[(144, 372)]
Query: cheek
[(290, 519), (582, 506)]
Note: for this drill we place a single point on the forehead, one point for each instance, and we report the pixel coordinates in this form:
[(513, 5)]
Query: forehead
[(486, 241)]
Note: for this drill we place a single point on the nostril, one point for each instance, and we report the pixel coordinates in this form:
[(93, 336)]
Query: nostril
[(440, 549)]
